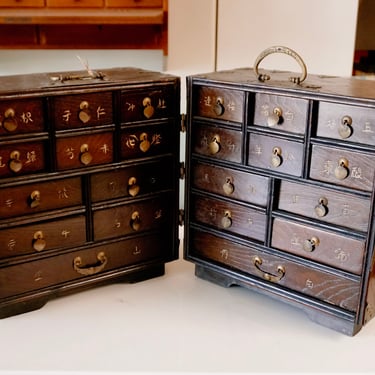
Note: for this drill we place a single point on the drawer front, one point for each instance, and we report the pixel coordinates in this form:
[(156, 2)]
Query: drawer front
[(134, 3), (131, 182), (77, 111), (346, 122), (275, 154), (330, 288), (343, 167), (238, 185), (325, 205), (22, 3), (40, 197), (218, 103), (148, 105), (75, 3), (43, 236), (323, 246), (230, 217), (22, 158), (84, 150), (30, 276), (281, 113), (132, 218), (21, 116), (217, 143), (147, 141)]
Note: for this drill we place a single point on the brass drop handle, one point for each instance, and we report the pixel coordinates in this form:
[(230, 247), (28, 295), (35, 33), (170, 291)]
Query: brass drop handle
[(85, 156), (39, 243), (342, 170), (88, 270), (15, 163), (34, 199), (148, 109), (228, 186), (257, 261), (275, 117), (345, 128), (276, 159), (135, 221), (310, 244), (214, 145), (10, 122), (219, 108), (84, 114), (145, 144), (226, 220), (133, 187), (321, 209)]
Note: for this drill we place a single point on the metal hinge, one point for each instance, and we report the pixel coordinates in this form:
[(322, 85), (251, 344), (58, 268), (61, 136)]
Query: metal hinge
[(182, 170), (181, 217), (183, 123)]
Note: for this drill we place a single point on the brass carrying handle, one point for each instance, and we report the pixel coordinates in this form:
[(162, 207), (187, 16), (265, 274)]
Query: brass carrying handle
[(287, 51), (266, 275), (90, 269)]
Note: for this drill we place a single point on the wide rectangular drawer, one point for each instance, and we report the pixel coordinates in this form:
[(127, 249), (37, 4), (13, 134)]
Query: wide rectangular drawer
[(21, 116), (230, 217), (323, 246), (328, 287), (121, 220), (77, 111), (276, 154), (84, 150), (326, 205), (216, 142), (131, 181), (219, 103), (242, 186), (134, 3), (53, 271), (43, 236), (346, 122), (40, 197), (75, 3), (281, 113), (343, 167)]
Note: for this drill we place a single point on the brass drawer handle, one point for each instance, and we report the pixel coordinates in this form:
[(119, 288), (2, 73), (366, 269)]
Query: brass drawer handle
[(84, 114), (85, 156), (214, 145), (39, 243), (321, 209), (219, 108), (90, 269), (342, 170), (148, 109), (133, 187), (276, 159), (266, 275), (226, 220), (135, 221), (34, 199), (10, 122), (275, 118), (310, 245), (345, 128), (15, 164), (145, 144), (228, 186)]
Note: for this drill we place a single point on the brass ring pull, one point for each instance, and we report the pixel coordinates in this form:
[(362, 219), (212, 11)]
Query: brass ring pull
[(34, 199), (321, 209), (214, 145), (228, 186), (310, 244), (275, 118), (276, 159), (135, 221), (287, 51), (39, 243), (148, 109), (226, 220), (15, 163), (342, 170), (10, 122), (219, 108), (85, 156), (133, 187), (345, 128), (266, 275), (90, 269), (84, 114)]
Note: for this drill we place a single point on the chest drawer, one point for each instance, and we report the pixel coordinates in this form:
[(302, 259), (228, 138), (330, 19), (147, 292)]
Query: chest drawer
[(323, 246), (325, 205), (275, 154), (76, 111), (21, 116), (242, 186), (230, 217), (43, 236), (219, 103), (40, 197), (346, 122), (84, 150), (281, 113), (325, 286), (343, 167)]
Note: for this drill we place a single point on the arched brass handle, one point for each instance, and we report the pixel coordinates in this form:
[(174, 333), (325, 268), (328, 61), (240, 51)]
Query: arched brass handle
[(287, 51), (90, 269), (266, 275)]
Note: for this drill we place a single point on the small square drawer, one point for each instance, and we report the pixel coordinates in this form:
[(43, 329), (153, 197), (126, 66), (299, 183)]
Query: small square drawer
[(22, 158), (346, 122), (277, 154), (21, 116), (218, 103), (148, 105), (218, 143), (75, 3), (230, 217), (43, 236), (331, 288), (121, 220), (281, 113), (235, 184), (40, 197), (325, 205), (77, 111), (84, 150), (340, 166), (323, 246), (140, 142), (131, 182)]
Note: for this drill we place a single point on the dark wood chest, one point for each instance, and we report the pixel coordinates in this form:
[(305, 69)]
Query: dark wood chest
[(279, 186)]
